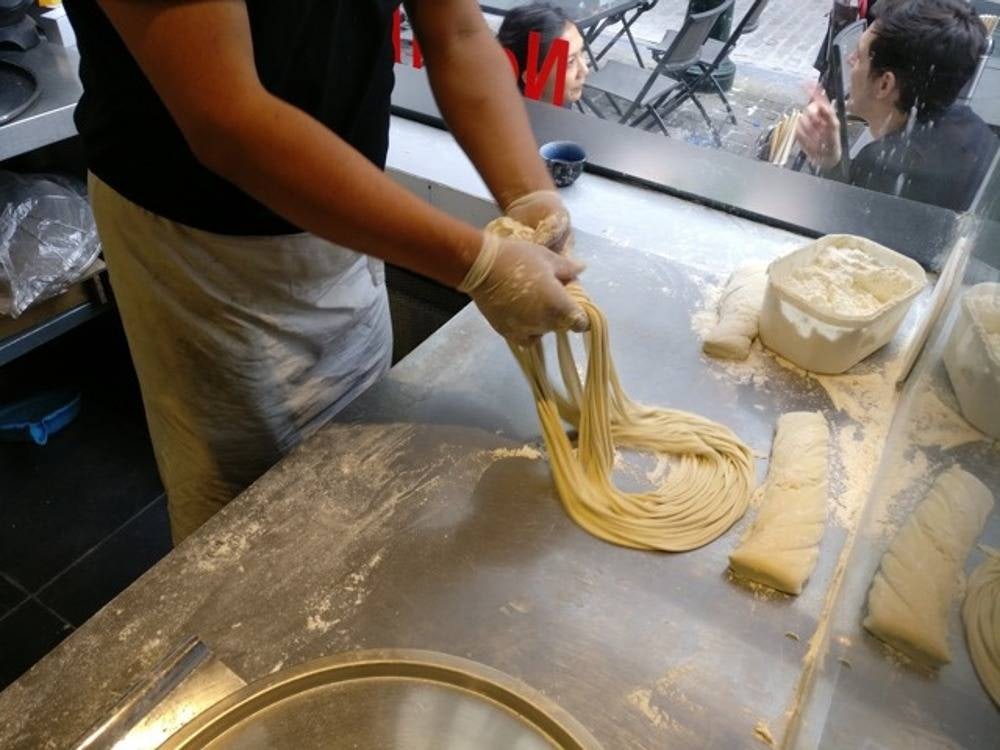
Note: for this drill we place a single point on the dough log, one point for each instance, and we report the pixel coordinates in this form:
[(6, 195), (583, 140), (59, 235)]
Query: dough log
[(913, 590), (781, 548), (739, 312), (981, 615)]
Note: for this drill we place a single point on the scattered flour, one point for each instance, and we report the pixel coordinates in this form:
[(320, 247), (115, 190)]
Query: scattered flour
[(849, 281), (703, 319), (320, 619), (937, 424), (763, 733), (525, 451), (666, 692)]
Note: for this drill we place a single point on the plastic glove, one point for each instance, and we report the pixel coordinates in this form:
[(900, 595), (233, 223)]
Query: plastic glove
[(544, 210), (520, 289)]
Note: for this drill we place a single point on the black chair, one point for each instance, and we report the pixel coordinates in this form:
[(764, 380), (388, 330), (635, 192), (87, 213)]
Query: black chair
[(634, 85), (713, 54), (969, 89), (626, 30)]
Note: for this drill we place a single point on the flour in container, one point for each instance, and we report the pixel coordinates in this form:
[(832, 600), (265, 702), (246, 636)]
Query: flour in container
[(849, 281)]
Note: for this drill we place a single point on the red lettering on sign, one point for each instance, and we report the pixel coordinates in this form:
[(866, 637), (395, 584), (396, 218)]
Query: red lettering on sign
[(534, 82), (397, 42)]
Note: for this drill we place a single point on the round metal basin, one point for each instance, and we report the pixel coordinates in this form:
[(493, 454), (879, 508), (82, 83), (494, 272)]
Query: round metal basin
[(386, 700)]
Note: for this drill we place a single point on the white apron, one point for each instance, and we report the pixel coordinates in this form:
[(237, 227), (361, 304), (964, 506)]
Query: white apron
[(243, 345)]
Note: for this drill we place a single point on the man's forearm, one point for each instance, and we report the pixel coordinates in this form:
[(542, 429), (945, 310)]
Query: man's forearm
[(480, 101), (329, 189)]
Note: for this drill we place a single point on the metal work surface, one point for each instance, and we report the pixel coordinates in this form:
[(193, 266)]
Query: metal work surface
[(394, 700), (50, 118), (424, 521)]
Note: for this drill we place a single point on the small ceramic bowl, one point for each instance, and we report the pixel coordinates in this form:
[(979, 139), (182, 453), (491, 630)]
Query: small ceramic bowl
[(565, 161)]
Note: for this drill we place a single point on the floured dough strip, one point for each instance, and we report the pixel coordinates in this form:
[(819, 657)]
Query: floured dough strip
[(739, 312), (781, 548), (981, 615), (912, 591)]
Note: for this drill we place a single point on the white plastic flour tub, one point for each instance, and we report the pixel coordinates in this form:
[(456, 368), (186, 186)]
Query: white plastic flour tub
[(973, 367), (819, 340)]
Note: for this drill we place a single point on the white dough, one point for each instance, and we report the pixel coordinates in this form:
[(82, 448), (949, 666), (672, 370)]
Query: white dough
[(913, 590), (781, 548), (981, 615), (739, 312)]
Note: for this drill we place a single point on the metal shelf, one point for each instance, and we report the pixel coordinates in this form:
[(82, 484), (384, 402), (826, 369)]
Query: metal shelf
[(50, 119), (53, 317)]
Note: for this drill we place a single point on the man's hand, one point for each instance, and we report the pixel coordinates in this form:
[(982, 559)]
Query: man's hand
[(544, 210), (818, 131), (520, 289)]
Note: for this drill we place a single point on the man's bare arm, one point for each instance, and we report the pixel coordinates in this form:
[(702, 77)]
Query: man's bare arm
[(273, 151), (478, 96)]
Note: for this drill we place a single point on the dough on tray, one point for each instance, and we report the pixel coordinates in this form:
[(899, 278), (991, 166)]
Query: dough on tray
[(739, 312), (913, 589), (711, 475), (981, 615), (781, 548)]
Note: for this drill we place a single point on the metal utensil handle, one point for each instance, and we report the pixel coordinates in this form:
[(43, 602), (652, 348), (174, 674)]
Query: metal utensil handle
[(141, 699)]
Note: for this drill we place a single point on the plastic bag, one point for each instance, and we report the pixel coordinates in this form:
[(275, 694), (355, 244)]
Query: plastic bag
[(47, 238)]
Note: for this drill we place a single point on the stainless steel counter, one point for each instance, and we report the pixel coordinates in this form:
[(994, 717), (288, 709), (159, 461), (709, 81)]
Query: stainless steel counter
[(421, 519), (50, 118)]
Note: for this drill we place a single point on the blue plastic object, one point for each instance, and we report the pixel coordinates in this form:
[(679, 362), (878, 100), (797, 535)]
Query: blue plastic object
[(36, 418)]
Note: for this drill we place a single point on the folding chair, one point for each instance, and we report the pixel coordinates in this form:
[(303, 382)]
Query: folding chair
[(625, 30), (634, 85), (970, 86), (713, 54)]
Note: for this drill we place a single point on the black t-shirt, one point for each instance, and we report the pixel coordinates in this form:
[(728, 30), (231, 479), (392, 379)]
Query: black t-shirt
[(941, 161), (331, 58)]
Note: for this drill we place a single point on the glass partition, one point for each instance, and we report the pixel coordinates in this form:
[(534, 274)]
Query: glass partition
[(898, 98)]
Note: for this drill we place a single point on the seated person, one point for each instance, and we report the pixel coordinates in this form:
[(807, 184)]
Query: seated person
[(552, 23), (906, 75)]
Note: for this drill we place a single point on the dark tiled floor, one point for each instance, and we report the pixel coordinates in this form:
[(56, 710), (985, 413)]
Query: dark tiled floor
[(83, 516), (27, 633), (110, 567), (10, 596)]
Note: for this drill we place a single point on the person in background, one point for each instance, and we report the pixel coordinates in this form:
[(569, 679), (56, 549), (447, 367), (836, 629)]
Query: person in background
[(906, 75), (236, 151), (552, 23)]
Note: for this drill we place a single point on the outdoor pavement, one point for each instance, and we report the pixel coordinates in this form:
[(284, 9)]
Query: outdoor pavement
[(774, 69)]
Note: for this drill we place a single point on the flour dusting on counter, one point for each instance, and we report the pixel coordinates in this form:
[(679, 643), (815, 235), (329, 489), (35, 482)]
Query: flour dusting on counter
[(937, 424), (525, 451)]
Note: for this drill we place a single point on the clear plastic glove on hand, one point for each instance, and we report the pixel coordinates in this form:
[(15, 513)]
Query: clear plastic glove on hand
[(543, 211), (519, 287)]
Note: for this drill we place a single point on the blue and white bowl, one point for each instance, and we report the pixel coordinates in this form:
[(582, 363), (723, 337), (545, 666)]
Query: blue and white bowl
[(565, 161)]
